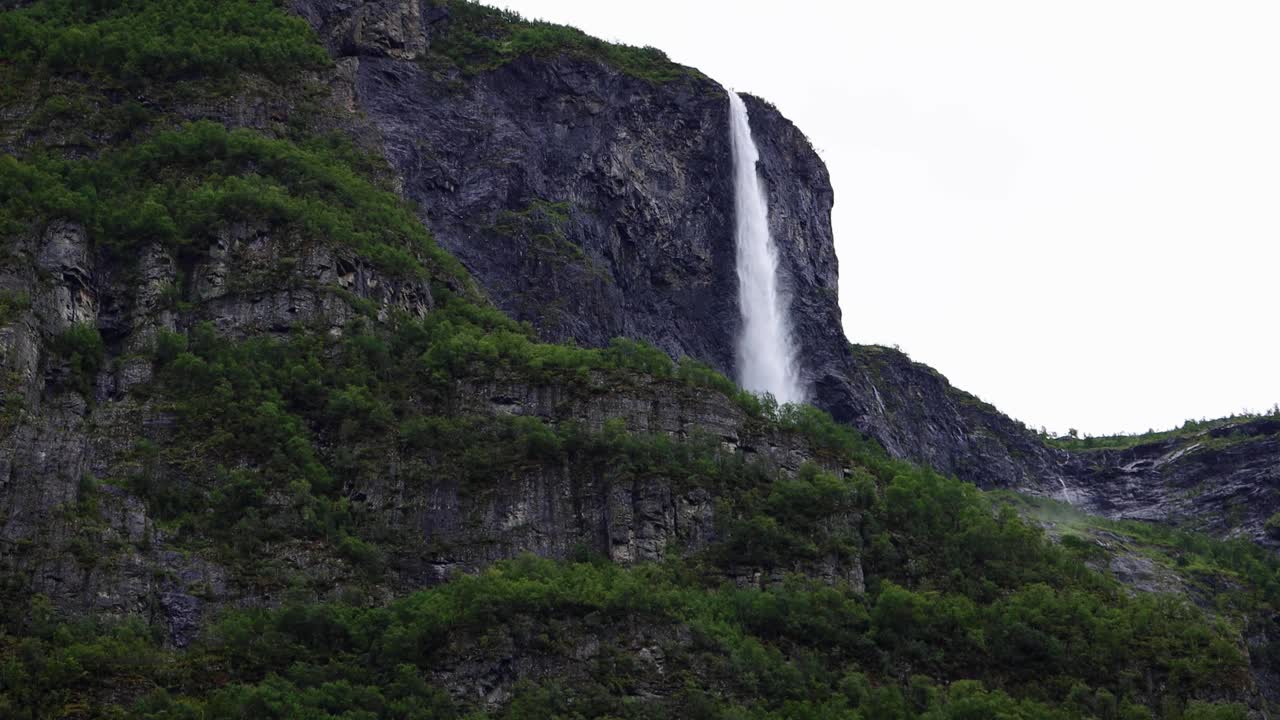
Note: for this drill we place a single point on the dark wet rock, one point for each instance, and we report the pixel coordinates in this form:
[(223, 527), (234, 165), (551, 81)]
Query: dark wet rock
[(586, 201), (90, 544), (376, 28), (1224, 482), (594, 204), (642, 246)]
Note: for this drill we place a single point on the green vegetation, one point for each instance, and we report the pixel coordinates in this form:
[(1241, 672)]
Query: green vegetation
[(479, 38), (180, 186), (270, 404), (161, 180), (1239, 576), (967, 611), (134, 42), (966, 606), (993, 621), (12, 305), (1073, 441), (464, 340), (82, 348), (541, 224), (538, 218), (1272, 526)]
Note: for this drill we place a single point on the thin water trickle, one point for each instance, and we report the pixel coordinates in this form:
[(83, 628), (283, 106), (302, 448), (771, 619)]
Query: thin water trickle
[(766, 352), (1066, 492)]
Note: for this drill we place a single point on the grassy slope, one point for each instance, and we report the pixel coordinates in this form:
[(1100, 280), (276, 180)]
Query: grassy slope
[(1235, 577)]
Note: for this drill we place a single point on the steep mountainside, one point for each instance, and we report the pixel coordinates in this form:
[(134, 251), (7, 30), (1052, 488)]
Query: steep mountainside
[(275, 441), (593, 202)]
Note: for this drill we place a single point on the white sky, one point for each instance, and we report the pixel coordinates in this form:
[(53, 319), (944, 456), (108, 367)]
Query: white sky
[(1070, 209)]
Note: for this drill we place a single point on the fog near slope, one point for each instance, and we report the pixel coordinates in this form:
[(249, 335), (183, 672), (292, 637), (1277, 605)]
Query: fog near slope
[(1069, 209)]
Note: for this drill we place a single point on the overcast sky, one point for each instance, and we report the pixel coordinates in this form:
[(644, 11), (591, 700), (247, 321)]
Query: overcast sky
[(1070, 209)]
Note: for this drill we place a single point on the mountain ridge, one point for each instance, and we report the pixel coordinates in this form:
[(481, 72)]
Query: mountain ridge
[(260, 427)]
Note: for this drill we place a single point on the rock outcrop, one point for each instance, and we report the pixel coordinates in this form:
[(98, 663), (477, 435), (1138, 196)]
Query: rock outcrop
[(1224, 481), (595, 204), (72, 529), (588, 202)]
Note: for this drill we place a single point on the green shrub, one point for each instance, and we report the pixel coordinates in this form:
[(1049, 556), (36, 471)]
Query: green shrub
[(700, 374), (365, 556), (479, 38), (36, 189), (82, 348), (1272, 526), (1189, 428), (798, 649), (12, 305), (168, 346), (641, 357), (139, 41), (178, 187)]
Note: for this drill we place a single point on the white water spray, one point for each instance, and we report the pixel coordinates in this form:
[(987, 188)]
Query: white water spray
[(766, 354), (1067, 496)]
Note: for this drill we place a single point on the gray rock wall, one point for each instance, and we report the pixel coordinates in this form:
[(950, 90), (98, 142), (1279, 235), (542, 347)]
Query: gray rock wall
[(639, 171), (70, 527), (647, 248), (1224, 481)]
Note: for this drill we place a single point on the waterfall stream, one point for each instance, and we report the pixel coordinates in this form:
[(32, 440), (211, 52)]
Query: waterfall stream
[(1067, 495), (766, 353)]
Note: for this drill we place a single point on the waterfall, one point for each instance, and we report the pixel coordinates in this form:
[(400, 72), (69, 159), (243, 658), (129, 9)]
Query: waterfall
[(1066, 492), (766, 354)]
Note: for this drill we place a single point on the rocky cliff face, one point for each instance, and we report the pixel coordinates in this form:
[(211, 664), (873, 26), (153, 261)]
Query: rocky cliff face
[(587, 201), (595, 204), (590, 203), (1224, 481), (96, 547), (915, 412), (62, 433)]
